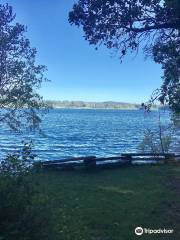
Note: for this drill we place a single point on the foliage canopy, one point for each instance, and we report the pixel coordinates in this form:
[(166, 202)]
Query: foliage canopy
[(126, 25), (20, 76)]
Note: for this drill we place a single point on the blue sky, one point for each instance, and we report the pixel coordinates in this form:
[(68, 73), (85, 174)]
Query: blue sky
[(76, 70)]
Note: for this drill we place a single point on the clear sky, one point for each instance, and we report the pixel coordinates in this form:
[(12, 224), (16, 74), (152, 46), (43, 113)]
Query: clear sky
[(76, 70)]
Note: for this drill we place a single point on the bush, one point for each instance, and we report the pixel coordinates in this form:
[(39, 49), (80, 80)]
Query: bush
[(25, 211), (157, 141), (154, 143), (19, 163)]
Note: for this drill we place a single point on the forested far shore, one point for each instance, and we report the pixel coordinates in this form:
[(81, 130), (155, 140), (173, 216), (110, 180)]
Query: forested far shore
[(94, 105)]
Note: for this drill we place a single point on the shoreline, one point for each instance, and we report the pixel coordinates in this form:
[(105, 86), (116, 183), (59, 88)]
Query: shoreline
[(89, 108)]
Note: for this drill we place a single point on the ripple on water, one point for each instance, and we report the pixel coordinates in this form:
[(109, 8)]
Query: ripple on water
[(70, 132)]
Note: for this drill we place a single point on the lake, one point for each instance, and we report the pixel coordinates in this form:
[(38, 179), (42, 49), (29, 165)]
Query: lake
[(83, 132)]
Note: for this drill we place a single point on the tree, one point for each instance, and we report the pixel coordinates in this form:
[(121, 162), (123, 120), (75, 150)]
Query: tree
[(20, 77), (25, 211), (126, 25)]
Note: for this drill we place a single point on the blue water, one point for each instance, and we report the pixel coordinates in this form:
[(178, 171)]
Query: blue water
[(82, 132)]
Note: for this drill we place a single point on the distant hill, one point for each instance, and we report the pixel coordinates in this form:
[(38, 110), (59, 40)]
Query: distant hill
[(94, 105)]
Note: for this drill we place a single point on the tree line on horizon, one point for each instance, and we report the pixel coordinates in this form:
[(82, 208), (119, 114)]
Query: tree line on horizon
[(84, 104)]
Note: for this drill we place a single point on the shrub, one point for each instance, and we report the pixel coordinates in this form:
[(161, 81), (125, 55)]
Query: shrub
[(159, 140), (25, 211)]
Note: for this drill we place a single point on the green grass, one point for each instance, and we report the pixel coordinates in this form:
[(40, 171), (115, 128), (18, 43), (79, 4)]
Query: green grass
[(109, 204)]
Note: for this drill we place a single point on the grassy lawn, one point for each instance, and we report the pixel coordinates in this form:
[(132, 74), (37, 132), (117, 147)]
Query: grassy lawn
[(109, 204)]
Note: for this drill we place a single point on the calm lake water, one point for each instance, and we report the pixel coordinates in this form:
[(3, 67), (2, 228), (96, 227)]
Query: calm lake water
[(82, 132)]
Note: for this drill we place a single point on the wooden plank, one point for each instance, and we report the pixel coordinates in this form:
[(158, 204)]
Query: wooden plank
[(68, 160), (101, 159), (148, 154), (85, 159), (148, 159), (63, 165)]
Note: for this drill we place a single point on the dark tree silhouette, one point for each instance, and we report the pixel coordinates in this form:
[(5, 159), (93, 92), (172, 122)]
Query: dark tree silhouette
[(126, 25), (20, 77)]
